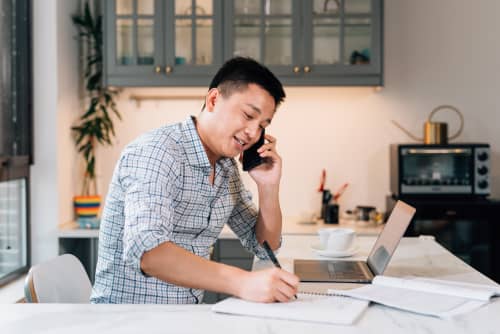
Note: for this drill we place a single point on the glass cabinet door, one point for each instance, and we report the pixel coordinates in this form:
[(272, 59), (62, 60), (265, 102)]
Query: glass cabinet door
[(264, 30), (342, 36), (132, 30), (193, 38)]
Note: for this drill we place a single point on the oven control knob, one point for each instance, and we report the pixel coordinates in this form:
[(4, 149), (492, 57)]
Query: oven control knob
[(482, 184), (483, 156), (483, 170)]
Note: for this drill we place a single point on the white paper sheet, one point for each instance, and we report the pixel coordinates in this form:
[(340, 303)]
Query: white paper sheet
[(308, 307)]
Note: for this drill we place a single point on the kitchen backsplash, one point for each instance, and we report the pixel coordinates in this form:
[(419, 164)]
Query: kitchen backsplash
[(347, 131)]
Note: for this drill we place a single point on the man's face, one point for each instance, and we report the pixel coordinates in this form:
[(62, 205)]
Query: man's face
[(238, 120)]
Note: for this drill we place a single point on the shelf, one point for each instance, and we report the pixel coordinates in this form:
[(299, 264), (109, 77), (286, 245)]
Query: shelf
[(139, 98)]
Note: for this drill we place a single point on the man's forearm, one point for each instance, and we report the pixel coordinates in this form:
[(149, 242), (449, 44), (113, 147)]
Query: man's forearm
[(173, 264), (269, 222)]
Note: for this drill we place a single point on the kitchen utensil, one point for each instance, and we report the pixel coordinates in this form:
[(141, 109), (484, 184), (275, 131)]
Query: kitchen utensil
[(363, 212), (340, 191), (436, 132), (322, 180)]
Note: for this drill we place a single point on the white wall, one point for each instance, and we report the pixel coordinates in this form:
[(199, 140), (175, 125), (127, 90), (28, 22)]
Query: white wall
[(55, 75), (444, 52)]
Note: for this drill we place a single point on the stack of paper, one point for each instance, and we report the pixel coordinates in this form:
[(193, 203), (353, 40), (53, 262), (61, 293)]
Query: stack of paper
[(307, 307), (424, 295)]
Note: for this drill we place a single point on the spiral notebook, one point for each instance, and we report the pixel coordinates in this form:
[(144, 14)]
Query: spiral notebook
[(312, 307), (435, 297)]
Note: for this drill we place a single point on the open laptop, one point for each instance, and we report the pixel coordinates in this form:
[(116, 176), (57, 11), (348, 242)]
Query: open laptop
[(360, 271)]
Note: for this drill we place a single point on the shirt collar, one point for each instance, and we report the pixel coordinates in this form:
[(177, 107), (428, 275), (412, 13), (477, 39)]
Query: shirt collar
[(195, 152), (192, 144)]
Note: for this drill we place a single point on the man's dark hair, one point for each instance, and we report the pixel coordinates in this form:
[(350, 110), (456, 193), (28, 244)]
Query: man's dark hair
[(237, 73)]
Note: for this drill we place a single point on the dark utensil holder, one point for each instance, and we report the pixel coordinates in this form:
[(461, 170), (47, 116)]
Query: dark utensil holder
[(331, 214)]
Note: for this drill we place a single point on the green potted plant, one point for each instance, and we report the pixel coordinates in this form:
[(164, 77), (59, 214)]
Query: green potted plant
[(95, 126)]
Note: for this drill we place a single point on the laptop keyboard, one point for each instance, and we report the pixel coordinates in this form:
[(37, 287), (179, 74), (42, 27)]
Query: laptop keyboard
[(332, 271)]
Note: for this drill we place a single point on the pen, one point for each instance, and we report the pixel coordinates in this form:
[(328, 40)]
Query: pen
[(271, 256)]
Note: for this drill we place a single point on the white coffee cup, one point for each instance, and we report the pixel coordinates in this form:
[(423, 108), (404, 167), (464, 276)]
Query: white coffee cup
[(337, 239)]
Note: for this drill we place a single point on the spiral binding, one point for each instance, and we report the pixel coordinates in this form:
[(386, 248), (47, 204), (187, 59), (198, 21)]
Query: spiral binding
[(336, 294)]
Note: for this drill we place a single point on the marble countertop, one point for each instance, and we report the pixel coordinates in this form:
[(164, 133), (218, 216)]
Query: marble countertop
[(415, 256)]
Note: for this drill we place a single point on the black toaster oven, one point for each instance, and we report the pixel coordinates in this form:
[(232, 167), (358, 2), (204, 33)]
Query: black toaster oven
[(450, 169)]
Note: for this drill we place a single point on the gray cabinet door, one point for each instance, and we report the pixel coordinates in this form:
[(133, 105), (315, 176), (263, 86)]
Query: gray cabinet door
[(133, 43), (162, 42), (342, 42), (265, 30), (317, 42), (193, 34)]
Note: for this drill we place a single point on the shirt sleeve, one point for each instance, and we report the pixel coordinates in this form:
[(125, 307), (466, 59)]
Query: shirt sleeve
[(148, 181), (243, 220)]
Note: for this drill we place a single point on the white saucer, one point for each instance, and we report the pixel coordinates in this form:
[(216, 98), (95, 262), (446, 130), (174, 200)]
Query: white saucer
[(320, 250)]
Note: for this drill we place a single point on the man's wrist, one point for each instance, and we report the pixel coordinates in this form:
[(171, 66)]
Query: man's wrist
[(236, 277), (269, 190)]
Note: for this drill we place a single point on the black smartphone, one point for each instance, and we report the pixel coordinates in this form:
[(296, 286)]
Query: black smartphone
[(251, 157)]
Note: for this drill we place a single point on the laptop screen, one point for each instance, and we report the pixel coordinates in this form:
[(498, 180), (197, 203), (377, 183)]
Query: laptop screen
[(389, 239)]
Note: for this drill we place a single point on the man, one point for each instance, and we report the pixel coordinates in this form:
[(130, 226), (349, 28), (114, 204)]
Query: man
[(173, 190)]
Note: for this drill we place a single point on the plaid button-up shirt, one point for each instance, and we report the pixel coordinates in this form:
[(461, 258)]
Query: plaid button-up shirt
[(160, 192)]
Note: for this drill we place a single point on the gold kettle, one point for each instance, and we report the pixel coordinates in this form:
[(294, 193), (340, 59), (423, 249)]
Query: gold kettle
[(436, 132)]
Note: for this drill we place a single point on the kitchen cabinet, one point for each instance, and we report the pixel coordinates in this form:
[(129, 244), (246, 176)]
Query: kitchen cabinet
[(162, 42), (82, 243), (319, 42), (184, 42)]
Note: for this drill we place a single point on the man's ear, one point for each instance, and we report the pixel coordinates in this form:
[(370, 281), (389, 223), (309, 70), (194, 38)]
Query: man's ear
[(211, 98)]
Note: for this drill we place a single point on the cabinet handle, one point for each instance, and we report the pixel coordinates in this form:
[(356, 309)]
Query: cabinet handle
[(296, 69), (157, 69), (4, 162), (168, 69), (307, 69)]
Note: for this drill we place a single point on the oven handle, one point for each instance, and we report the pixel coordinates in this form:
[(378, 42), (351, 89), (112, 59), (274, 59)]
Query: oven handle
[(439, 151)]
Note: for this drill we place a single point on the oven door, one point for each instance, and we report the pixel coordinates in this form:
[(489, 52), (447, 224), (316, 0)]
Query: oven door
[(432, 170)]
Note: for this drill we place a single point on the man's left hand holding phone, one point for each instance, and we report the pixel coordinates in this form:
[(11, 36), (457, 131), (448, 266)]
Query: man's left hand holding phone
[(262, 161)]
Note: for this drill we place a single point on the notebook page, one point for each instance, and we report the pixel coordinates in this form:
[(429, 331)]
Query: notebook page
[(308, 307), (441, 287), (493, 290), (415, 301)]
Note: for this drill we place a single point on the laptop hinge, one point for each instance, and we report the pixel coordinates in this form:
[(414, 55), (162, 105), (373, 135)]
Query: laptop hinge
[(367, 271), (372, 268)]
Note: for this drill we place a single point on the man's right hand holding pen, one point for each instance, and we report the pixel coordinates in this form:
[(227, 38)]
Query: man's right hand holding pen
[(269, 285)]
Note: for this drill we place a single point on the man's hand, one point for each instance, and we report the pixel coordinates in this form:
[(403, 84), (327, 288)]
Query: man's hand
[(269, 173), (267, 286)]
